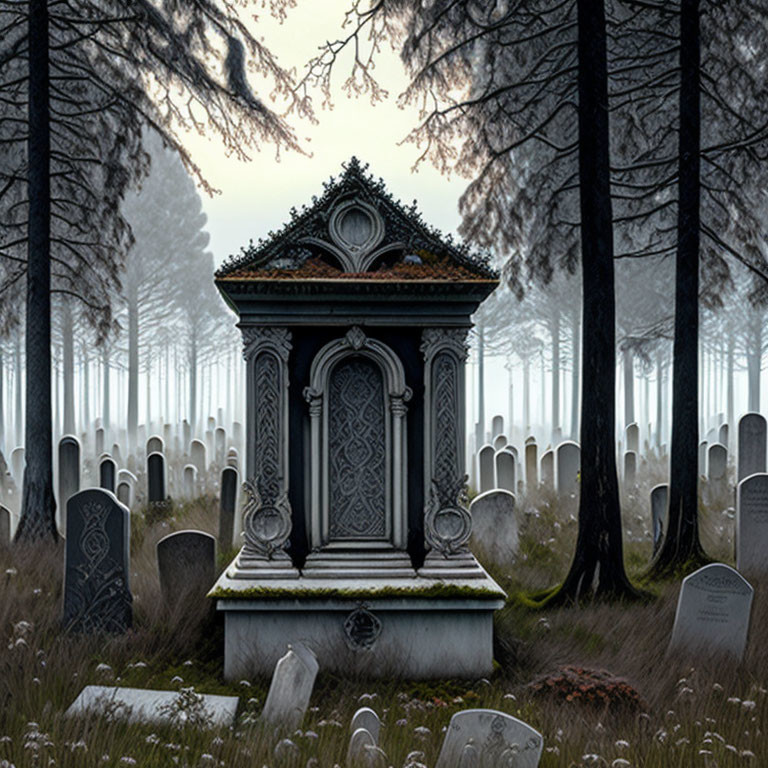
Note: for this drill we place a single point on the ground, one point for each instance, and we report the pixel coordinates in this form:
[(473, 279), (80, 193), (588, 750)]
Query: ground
[(675, 712)]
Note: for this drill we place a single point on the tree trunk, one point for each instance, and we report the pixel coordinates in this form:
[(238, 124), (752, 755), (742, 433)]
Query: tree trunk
[(106, 404), (680, 549), (2, 408), (628, 360), (86, 416), (543, 395), (754, 361), (730, 415), (576, 348), (133, 367), (68, 352), (527, 396), (38, 508), (481, 384), (597, 569), (148, 391), (18, 420), (192, 387), (659, 399), (555, 330)]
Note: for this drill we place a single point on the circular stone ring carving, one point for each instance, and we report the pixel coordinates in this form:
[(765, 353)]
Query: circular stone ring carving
[(362, 629)]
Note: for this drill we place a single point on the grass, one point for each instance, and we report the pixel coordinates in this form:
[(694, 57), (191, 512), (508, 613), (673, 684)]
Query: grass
[(696, 712)]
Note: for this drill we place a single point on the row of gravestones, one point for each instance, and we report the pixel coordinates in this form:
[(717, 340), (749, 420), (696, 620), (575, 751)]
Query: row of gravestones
[(97, 594)]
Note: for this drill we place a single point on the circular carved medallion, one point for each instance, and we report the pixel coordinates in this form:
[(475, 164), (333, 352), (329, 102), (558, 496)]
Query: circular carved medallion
[(362, 629)]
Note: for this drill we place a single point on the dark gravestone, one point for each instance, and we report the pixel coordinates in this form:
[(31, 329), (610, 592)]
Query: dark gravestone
[(186, 562), (97, 596), (5, 526), (156, 477), (69, 475), (751, 438), (505, 470), (227, 504), (107, 474), (659, 497)]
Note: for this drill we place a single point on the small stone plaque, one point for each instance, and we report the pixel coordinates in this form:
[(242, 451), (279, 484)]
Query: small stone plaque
[(138, 705), (499, 740), (713, 612)]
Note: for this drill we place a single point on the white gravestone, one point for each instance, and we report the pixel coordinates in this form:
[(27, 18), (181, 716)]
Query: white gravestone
[(497, 426), (487, 474), (494, 525), (190, 481), (717, 464), (548, 470), (498, 740), (499, 442), (568, 467), (713, 612), (366, 718), (633, 437), (505, 470), (360, 743), (659, 497), (752, 525), (751, 445), (137, 705), (702, 458), (291, 687)]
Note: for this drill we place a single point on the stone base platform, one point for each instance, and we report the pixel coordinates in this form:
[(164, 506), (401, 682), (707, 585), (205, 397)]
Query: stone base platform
[(410, 627)]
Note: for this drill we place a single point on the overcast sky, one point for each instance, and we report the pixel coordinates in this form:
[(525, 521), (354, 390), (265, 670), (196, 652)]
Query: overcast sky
[(256, 196)]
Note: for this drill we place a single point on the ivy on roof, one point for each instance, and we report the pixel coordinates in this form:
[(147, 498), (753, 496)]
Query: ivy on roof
[(404, 222)]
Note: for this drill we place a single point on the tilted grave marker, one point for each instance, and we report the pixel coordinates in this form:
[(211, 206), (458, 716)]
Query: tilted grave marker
[(659, 497), (291, 688), (227, 505)]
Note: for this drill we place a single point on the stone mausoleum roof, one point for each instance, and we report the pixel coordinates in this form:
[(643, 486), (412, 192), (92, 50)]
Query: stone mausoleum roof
[(355, 232)]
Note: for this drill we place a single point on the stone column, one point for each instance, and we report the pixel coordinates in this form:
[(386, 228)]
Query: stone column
[(267, 515), (447, 523)]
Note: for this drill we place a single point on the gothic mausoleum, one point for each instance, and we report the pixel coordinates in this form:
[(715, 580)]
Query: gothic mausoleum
[(354, 320)]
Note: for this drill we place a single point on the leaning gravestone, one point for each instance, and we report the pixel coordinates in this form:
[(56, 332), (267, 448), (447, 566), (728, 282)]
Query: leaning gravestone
[(548, 469), (751, 445), (5, 526), (156, 477), (568, 467), (366, 718), (186, 562), (659, 497), (494, 738), (752, 525), (227, 504), (505, 470), (107, 474), (531, 465), (291, 688), (485, 463), (494, 525), (97, 595), (69, 475), (713, 612), (630, 469)]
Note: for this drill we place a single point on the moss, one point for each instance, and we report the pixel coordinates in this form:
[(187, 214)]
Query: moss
[(439, 591)]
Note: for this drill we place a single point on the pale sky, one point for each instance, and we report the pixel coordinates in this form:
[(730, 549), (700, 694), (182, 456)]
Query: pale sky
[(256, 196)]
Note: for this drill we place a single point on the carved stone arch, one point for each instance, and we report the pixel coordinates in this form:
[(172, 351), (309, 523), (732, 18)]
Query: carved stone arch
[(355, 344)]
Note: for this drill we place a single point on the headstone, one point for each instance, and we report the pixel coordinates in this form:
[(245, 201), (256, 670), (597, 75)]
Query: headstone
[(220, 440), (156, 477), (125, 494), (500, 740), (167, 434), (107, 474), (155, 445), (713, 612), (630, 469), (717, 466), (233, 459), (186, 431), (633, 437), (17, 465), (702, 458), (357, 755), (116, 454), (486, 467), (568, 468), (137, 705), (366, 718), (99, 441), (497, 426), (505, 471), (186, 562), (211, 423), (752, 525), (751, 445), (499, 442), (189, 484), (531, 466), (722, 435), (69, 475), (494, 525), (227, 504), (659, 497), (291, 687), (712, 435), (199, 457), (5, 526), (548, 469), (97, 595)]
